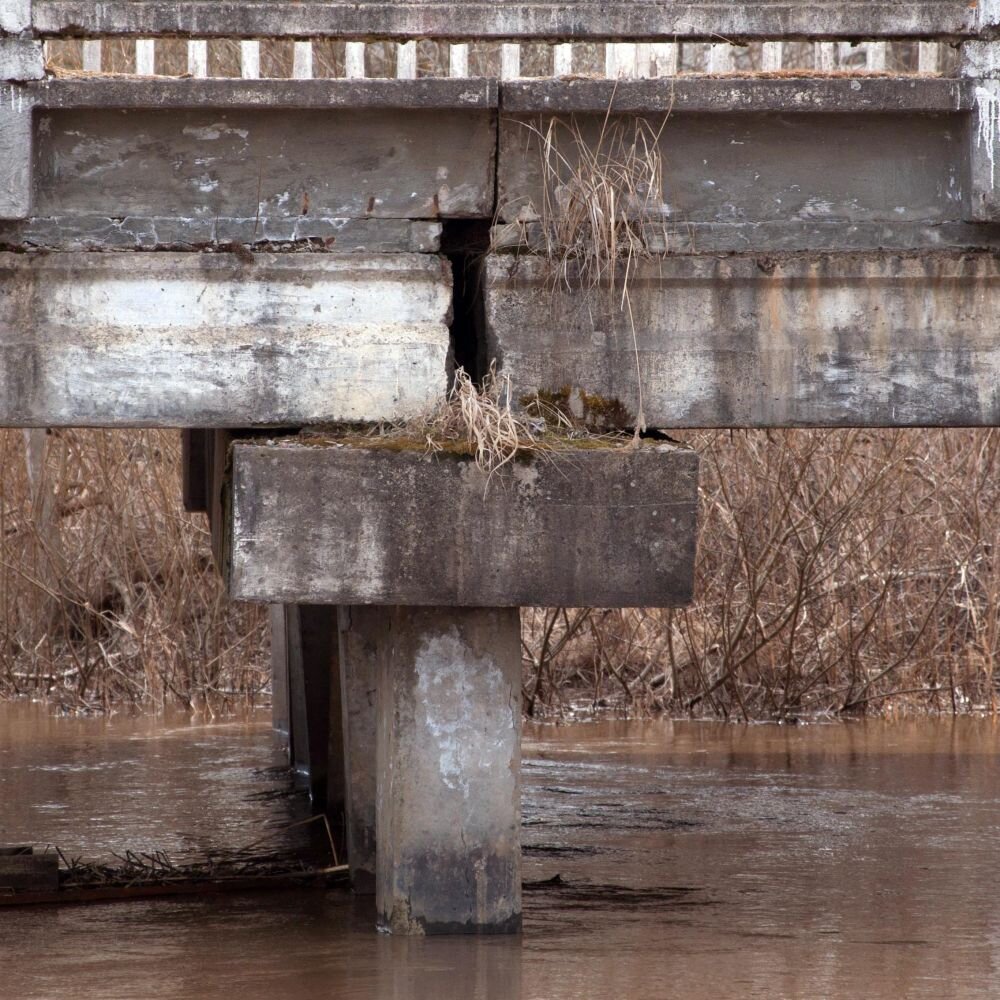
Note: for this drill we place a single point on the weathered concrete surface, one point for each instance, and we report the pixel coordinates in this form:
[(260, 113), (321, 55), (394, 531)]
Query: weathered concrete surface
[(16, 150), (449, 783), (364, 640), (848, 175), (15, 16), (21, 59), (423, 94), (350, 525), (212, 340), (808, 340), (710, 95), (241, 164), (512, 18)]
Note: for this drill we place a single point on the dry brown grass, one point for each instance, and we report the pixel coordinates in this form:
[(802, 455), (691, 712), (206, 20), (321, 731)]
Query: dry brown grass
[(108, 595), (480, 416), (601, 195)]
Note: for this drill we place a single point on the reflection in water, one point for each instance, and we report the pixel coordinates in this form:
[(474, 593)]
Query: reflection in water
[(661, 860)]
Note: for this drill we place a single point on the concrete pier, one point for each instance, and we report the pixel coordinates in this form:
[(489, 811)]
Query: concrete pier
[(363, 639), (449, 785)]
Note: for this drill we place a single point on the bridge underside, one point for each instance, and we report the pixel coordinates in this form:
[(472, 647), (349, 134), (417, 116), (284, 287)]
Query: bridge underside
[(247, 259)]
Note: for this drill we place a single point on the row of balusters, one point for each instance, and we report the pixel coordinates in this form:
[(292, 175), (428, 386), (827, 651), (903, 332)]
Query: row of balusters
[(624, 60)]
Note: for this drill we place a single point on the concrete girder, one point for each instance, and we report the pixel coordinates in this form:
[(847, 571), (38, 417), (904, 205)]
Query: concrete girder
[(233, 341), (811, 340)]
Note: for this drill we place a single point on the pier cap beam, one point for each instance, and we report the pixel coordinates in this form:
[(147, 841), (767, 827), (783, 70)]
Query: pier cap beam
[(352, 524)]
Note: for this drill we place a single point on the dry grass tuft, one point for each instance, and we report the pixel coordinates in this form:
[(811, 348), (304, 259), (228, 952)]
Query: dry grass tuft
[(601, 197), (477, 419), (481, 415)]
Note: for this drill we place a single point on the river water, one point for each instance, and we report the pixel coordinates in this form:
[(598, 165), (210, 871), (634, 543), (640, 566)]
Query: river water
[(694, 860)]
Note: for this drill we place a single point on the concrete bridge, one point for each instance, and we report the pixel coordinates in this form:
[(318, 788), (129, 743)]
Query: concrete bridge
[(248, 257)]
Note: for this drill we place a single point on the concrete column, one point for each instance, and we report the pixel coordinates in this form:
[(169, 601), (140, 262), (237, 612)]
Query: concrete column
[(449, 781), (314, 708), (364, 633), (279, 671)]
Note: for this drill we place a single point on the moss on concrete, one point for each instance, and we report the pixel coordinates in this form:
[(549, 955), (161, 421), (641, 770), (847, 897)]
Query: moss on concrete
[(581, 408)]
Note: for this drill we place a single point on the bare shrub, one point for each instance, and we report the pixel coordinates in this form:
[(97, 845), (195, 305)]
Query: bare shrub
[(838, 572), (108, 594)]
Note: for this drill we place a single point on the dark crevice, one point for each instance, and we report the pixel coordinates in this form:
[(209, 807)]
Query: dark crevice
[(465, 243)]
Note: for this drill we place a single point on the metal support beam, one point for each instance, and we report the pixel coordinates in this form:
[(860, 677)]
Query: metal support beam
[(279, 672)]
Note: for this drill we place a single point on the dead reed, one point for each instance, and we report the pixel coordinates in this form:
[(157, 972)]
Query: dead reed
[(108, 595)]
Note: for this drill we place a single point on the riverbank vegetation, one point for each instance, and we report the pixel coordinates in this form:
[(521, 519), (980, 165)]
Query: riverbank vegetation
[(844, 572)]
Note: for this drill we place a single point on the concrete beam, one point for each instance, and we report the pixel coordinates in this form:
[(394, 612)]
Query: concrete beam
[(279, 176), (268, 339), (21, 59), (16, 152), (180, 94), (508, 19), (766, 181), (804, 340), (981, 64), (678, 237), (712, 95), (364, 641), (84, 231), (984, 154), (449, 783), (351, 524)]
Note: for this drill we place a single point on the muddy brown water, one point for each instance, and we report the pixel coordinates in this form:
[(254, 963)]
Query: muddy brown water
[(693, 861)]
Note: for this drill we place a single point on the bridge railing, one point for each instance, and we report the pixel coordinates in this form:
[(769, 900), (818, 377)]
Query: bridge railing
[(303, 59), (507, 39)]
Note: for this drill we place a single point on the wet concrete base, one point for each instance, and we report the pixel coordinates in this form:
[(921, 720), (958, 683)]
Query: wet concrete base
[(448, 802)]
